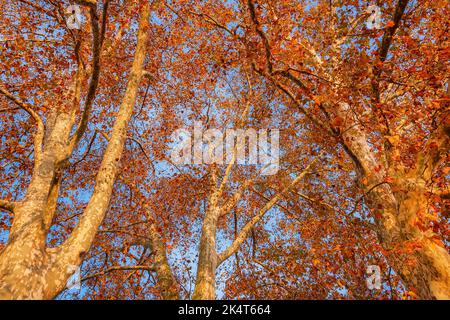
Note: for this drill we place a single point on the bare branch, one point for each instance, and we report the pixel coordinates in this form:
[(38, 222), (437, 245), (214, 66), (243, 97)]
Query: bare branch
[(353, 25), (243, 118), (208, 19), (139, 143), (306, 112), (23, 105)]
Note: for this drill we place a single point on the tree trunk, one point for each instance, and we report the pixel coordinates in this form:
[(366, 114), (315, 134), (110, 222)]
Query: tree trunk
[(417, 255), (397, 205), (166, 280), (205, 286)]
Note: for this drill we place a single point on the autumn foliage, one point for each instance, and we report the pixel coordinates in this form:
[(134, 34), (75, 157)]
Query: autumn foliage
[(87, 179)]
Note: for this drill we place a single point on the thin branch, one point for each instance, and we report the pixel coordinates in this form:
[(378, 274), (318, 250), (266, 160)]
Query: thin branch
[(304, 196), (10, 109), (23, 105), (211, 20), (40, 9), (88, 149), (242, 121), (232, 201), (303, 110), (139, 143), (7, 205), (116, 268), (353, 25), (364, 195), (39, 136)]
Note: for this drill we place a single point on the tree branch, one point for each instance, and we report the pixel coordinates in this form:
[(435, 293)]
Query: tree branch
[(116, 268), (243, 234), (435, 147), (93, 84), (304, 111), (382, 53), (243, 119), (90, 3), (389, 34), (251, 8), (81, 238), (7, 205), (39, 136)]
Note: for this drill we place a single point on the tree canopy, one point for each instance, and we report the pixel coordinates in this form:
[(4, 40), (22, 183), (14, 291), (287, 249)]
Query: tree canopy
[(89, 181)]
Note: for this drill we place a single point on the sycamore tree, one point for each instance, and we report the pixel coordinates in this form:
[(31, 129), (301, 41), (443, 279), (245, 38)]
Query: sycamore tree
[(379, 95), (60, 112)]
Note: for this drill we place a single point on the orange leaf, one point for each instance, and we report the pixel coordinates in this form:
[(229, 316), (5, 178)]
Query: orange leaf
[(389, 179), (390, 24)]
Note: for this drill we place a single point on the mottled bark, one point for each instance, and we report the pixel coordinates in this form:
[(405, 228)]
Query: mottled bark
[(208, 260), (416, 256), (25, 263), (81, 238), (205, 285), (427, 269)]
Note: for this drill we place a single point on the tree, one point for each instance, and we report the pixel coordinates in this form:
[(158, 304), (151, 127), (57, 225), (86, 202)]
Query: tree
[(26, 254), (358, 95)]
